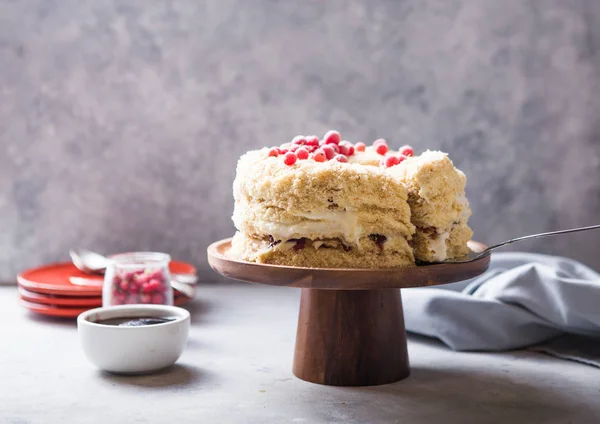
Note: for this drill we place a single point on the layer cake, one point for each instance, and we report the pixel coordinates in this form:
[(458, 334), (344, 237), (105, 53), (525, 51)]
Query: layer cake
[(327, 203)]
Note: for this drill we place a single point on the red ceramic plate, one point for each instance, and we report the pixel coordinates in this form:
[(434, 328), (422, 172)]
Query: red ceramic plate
[(73, 312), (74, 301), (53, 311), (51, 299), (56, 279)]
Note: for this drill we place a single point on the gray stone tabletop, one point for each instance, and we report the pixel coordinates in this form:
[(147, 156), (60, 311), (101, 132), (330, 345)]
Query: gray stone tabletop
[(237, 369)]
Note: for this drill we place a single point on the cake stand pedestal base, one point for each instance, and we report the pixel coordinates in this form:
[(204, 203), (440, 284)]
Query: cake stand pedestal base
[(351, 338), (351, 327)]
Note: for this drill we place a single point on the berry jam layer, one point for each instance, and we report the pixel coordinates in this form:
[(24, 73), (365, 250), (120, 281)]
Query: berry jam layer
[(372, 251)]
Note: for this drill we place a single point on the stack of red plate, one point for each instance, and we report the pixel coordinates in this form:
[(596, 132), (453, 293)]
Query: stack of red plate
[(61, 290)]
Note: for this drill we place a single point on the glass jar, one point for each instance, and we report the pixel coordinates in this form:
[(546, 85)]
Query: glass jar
[(137, 277)]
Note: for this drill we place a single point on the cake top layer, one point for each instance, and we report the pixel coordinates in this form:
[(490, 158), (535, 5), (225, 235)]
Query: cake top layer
[(436, 190), (349, 176), (332, 184), (432, 175)]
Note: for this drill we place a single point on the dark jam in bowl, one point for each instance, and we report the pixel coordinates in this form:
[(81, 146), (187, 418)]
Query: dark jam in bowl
[(135, 321)]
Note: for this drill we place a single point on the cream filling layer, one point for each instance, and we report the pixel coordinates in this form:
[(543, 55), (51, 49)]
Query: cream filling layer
[(327, 224), (438, 246), (465, 211)]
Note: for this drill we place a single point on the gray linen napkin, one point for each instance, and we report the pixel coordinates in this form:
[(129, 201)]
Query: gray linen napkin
[(523, 300)]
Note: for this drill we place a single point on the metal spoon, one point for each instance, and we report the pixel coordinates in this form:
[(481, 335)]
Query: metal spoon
[(94, 263), (470, 257)]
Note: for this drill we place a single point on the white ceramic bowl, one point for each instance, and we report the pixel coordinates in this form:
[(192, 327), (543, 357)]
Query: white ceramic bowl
[(133, 350)]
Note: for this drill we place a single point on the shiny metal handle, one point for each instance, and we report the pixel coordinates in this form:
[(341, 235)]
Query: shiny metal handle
[(551, 233)]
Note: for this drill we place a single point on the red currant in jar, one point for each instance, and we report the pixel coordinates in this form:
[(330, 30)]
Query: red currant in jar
[(158, 298), (140, 277)]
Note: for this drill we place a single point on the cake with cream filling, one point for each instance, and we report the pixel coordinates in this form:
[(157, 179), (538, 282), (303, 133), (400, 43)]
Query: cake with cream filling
[(328, 203), (438, 205)]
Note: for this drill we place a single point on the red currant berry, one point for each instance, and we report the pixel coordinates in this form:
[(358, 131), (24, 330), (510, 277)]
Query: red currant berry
[(118, 299), (341, 158), (302, 153), (289, 158), (156, 274), (360, 147), (344, 149), (158, 298), (401, 158), (312, 140), (299, 139), (335, 147), (328, 150), (154, 285), (274, 152), (141, 278), (382, 149), (332, 137), (407, 150), (391, 161), (319, 156)]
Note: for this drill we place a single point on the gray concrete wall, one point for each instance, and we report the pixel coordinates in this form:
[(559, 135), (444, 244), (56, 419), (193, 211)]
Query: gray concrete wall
[(121, 121)]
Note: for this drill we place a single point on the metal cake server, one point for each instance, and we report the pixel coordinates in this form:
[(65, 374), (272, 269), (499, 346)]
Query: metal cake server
[(473, 255)]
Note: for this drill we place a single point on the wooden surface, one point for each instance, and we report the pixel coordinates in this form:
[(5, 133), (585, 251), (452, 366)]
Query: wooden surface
[(341, 278), (351, 338)]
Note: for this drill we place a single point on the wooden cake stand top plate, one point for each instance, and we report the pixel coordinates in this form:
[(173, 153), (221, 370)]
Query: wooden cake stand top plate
[(226, 264)]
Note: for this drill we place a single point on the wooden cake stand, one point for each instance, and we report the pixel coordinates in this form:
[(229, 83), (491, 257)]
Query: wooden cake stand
[(351, 326)]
